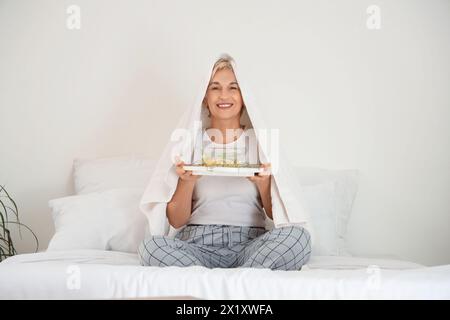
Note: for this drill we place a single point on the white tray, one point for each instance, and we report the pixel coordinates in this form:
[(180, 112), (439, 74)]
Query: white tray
[(223, 171)]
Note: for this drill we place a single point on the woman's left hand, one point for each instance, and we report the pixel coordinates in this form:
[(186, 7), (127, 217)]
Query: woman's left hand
[(262, 179)]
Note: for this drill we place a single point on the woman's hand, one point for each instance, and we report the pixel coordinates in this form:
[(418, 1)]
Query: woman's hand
[(185, 175), (262, 179)]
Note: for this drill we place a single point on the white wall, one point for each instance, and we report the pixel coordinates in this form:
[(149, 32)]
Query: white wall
[(343, 96)]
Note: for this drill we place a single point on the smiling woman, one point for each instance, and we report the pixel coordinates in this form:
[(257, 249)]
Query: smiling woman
[(222, 219)]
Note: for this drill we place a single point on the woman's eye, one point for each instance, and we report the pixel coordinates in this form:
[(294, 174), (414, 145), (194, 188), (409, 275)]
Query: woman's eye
[(234, 88), (214, 88)]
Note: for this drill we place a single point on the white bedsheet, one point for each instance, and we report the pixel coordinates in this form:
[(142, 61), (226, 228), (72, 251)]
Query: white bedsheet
[(93, 274)]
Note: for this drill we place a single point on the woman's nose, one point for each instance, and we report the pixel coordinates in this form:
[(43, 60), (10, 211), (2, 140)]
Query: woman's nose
[(224, 93)]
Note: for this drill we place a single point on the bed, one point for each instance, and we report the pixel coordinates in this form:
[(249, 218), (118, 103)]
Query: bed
[(92, 254), (97, 274)]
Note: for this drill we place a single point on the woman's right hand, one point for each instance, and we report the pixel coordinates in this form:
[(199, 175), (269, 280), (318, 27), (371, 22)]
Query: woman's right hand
[(185, 175)]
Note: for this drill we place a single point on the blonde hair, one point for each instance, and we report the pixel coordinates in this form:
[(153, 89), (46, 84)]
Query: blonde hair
[(224, 62)]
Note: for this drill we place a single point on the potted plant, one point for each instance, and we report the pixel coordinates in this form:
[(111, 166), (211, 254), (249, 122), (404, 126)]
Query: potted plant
[(9, 215)]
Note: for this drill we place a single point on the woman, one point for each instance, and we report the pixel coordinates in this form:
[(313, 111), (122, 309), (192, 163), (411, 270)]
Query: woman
[(224, 217)]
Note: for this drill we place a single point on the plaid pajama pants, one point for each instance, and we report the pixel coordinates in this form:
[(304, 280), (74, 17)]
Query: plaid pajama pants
[(226, 246)]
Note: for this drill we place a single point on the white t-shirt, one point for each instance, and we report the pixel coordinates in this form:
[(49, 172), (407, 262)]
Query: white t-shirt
[(226, 200)]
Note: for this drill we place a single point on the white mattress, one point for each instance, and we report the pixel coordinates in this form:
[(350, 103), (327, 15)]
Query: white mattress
[(93, 274)]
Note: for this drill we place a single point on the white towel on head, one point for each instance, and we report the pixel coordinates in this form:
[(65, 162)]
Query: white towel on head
[(287, 203)]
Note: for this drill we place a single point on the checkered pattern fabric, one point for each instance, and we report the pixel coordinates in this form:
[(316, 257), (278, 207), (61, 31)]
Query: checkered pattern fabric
[(225, 246)]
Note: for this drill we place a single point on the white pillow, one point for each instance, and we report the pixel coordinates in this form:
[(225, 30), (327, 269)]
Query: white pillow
[(107, 220), (346, 185), (320, 200), (100, 174)]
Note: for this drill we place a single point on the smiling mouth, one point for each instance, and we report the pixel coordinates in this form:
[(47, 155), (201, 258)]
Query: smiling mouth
[(224, 105)]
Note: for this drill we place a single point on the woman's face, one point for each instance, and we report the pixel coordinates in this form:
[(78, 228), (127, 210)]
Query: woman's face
[(223, 96)]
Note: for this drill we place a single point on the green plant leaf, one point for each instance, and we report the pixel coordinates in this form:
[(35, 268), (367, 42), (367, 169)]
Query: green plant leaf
[(7, 248), (29, 229), (2, 218), (2, 254), (16, 211)]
